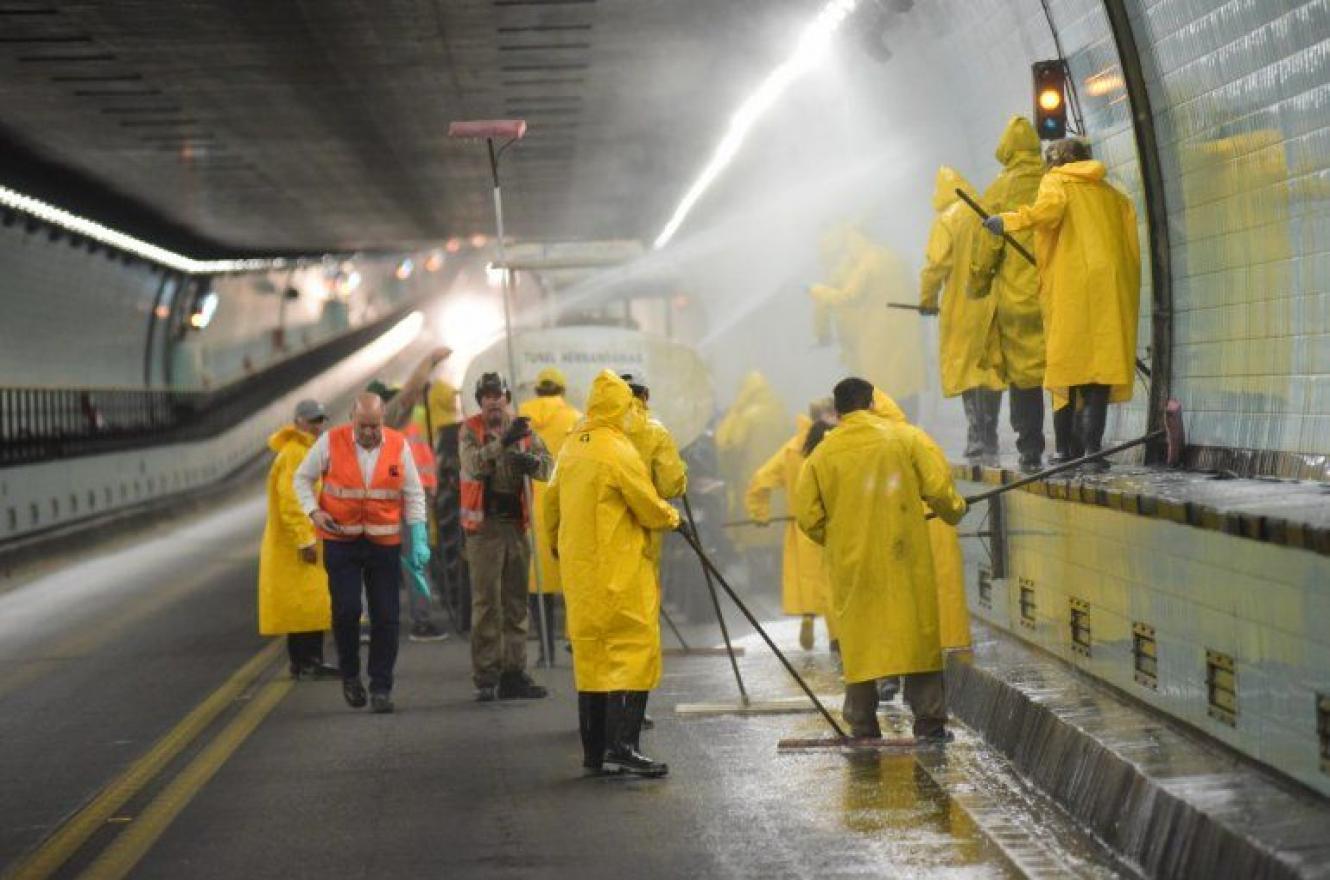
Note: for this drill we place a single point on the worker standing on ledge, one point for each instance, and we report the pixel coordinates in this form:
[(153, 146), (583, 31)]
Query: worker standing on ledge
[(552, 418), (1089, 255), (599, 511), (859, 496), (293, 588), (969, 356), (1013, 284), (498, 453), (370, 487)]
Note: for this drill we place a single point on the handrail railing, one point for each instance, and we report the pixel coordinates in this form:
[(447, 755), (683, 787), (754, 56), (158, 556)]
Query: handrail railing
[(45, 424)]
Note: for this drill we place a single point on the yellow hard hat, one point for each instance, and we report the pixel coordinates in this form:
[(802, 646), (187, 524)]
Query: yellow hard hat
[(551, 376)]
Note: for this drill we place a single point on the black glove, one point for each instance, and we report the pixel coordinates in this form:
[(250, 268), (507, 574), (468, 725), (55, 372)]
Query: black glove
[(518, 430), (686, 532), (526, 462)]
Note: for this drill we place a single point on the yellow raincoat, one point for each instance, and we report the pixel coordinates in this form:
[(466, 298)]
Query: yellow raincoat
[(996, 267), (948, 560), (599, 508), (551, 418), (804, 587), (1089, 254), (751, 431), (970, 356), (859, 496), (293, 595), (442, 402), (882, 345), (669, 475)]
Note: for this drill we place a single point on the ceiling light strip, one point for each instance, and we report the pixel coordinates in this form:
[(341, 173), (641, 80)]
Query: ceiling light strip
[(812, 46), (120, 241)]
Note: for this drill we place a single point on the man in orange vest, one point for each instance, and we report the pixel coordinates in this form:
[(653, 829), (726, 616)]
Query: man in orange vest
[(499, 453), (370, 487)]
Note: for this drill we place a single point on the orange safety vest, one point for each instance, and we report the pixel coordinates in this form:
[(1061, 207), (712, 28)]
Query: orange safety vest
[(473, 491), (424, 456), (372, 510)]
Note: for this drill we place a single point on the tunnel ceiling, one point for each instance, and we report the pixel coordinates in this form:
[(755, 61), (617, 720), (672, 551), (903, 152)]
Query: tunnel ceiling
[(232, 126)]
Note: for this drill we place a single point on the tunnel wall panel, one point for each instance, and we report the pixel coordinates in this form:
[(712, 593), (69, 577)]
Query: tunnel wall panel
[(1261, 604), (1242, 107), (70, 317)]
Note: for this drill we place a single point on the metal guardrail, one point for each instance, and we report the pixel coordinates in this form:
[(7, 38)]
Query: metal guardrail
[(46, 424)]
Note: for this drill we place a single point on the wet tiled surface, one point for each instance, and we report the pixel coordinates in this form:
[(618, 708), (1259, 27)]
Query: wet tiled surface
[(1199, 593), (1175, 804)]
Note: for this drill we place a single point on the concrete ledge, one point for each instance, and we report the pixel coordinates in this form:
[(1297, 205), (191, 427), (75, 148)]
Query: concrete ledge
[(1157, 794)]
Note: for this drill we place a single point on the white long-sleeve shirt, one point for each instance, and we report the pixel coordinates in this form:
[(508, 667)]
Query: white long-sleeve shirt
[(315, 465)]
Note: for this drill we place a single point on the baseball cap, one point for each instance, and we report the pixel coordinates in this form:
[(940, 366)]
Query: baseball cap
[(310, 410)]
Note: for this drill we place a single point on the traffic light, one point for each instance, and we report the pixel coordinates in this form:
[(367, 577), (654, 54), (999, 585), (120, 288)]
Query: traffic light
[(1050, 99)]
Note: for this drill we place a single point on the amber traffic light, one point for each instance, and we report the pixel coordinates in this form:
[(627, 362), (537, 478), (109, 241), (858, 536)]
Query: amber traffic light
[(1050, 104)]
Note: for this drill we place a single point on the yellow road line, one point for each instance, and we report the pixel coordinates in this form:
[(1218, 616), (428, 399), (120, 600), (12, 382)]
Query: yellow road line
[(75, 832), (118, 859)]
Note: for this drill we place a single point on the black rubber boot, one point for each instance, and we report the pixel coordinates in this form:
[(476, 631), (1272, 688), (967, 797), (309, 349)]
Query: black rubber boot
[(1064, 435), (1091, 419), (591, 724), (623, 727), (1027, 421), (991, 401), (974, 423)]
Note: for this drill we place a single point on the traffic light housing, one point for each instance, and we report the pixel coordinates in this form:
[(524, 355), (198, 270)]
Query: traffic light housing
[(1050, 99)]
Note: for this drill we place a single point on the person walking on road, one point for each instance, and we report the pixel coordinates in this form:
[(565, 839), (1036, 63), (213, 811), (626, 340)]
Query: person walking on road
[(499, 453), (370, 488), (293, 588)]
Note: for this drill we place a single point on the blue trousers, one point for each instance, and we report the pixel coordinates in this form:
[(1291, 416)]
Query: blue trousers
[(377, 569)]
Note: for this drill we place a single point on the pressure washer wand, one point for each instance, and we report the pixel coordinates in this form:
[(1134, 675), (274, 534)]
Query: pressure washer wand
[(707, 565), (715, 602), (978, 209), (1173, 431)]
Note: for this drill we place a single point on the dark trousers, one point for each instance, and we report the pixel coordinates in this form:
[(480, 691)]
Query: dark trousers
[(981, 415), (304, 649), (923, 693), (1027, 420), (377, 569)]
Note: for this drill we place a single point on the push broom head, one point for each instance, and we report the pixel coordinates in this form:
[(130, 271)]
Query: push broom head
[(1174, 433), (488, 129)]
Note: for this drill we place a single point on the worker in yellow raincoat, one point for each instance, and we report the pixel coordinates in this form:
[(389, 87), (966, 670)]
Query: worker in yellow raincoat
[(880, 344), (861, 496), (804, 585), (948, 560), (971, 360), (552, 418), (654, 442), (600, 508), (442, 402), (293, 587), (753, 428), (1011, 282), (1089, 254)]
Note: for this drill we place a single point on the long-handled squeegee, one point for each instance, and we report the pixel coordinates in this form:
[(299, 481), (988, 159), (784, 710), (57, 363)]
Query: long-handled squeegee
[(509, 131)]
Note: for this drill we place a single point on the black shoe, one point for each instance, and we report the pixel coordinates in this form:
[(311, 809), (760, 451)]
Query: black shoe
[(629, 760), (380, 704), (486, 694), (318, 671), (941, 738), (426, 632), (519, 686), (354, 692)]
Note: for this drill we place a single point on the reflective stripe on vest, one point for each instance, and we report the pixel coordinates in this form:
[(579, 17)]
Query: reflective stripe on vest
[(374, 510)]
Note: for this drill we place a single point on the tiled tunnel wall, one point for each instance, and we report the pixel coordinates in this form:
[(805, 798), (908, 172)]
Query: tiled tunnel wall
[(79, 318), (1097, 587)]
